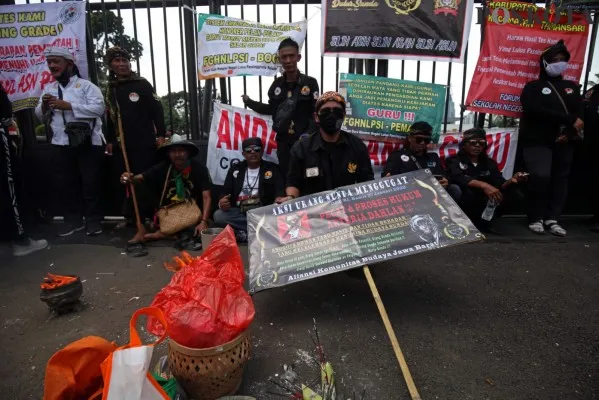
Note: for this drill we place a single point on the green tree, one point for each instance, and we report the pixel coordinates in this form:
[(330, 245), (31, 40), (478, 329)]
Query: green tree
[(107, 31), (177, 104)]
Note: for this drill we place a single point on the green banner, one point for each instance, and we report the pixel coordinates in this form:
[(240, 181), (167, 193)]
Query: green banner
[(384, 108)]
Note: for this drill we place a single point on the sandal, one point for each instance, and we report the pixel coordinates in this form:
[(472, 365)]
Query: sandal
[(555, 228), (137, 249), (537, 227)]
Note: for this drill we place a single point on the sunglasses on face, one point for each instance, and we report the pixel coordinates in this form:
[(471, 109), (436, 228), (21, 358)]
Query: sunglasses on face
[(253, 149), (325, 112), (480, 142), (420, 140)]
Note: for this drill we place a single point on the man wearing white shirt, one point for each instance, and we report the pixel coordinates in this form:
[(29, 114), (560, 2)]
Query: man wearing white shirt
[(74, 107)]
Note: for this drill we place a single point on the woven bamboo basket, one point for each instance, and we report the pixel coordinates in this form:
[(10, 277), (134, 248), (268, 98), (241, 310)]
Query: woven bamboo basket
[(208, 374)]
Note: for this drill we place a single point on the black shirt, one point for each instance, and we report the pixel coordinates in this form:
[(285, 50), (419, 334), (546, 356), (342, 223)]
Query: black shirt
[(195, 181), (404, 161), (141, 114), (316, 166), (270, 184), (461, 171), (543, 111), (302, 120)]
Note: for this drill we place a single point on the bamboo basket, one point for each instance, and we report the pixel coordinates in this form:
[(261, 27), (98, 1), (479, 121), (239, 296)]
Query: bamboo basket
[(208, 374)]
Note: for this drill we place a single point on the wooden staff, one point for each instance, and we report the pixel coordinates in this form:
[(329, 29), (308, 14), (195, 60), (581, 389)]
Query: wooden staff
[(140, 227), (402, 361)]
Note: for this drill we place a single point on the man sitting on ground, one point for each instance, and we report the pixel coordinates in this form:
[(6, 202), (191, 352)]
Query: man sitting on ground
[(179, 177), (415, 156), (480, 180), (249, 184)]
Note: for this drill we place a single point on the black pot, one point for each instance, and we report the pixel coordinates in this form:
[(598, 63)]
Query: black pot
[(64, 298)]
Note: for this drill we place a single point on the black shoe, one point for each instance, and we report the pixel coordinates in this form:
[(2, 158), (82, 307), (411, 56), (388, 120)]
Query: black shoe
[(69, 229), (93, 229), (241, 236)]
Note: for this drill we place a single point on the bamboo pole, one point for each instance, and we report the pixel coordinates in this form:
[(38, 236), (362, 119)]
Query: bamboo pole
[(403, 365), (140, 227)]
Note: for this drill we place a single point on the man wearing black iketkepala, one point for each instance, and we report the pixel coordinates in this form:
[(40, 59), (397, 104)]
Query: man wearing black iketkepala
[(291, 102), (142, 120)]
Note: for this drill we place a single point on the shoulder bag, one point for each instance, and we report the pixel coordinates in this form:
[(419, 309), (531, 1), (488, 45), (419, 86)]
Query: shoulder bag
[(568, 131), (175, 217), (78, 132)]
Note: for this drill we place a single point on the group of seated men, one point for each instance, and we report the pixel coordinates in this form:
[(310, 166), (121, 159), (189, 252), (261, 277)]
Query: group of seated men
[(331, 158)]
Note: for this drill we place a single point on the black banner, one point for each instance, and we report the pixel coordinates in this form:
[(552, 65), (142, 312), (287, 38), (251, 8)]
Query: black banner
[(352, 226), (434, 30)]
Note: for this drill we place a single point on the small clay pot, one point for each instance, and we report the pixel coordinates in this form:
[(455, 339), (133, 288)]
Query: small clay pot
[(63, 299)]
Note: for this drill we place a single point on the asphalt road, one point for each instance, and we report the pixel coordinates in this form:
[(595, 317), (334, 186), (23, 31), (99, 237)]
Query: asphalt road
[(506, 319)]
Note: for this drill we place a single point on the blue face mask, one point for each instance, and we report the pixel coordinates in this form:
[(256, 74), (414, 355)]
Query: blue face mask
[(555, 69)]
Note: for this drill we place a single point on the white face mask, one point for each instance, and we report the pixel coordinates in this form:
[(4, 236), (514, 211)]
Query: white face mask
[(556, 68)]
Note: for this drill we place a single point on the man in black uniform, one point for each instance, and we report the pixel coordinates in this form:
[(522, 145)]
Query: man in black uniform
[(142, 120), (479, 178), (291, 100), (330, 158), (250, 184), (415, 156), (591, 122)]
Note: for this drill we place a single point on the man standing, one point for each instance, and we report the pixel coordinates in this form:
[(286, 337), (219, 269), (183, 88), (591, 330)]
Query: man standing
[(10, 188), (249, 184), (142, 120), (330, 158), (415, 156), (74, 107), (291, 101)]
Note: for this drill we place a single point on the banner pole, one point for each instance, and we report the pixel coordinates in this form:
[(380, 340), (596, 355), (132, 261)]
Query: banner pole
[(403, 365)]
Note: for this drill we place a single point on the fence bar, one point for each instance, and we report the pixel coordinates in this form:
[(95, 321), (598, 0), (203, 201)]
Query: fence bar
[(447, 96), (306, 41), (403, 68), (151, 44), (89, 38), (104, 22), (359, 66), (118, 11), (434, 71), (229, 78), (591, 51), (185, 93), (382, 68), (260, 77), (168, 65), (418, 71), (135, 31), (462, 105), (245, 87), (337, 74)]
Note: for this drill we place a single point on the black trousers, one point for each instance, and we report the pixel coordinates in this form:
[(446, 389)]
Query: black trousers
[(283, 154), (474, 201), (78, 180), (140, 160), (11, 217), (549, 169)]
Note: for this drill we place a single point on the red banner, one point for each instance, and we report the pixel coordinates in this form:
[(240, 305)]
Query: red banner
[(515, 36)]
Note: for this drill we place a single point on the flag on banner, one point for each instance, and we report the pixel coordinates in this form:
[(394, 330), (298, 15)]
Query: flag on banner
[(234, 47), (27, 30), (511, 52), (413, 30)]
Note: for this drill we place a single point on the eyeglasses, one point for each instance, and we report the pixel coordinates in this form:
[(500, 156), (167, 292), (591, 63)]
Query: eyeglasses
[(253, 149), (325, 112), (420, 140), (482, 143)]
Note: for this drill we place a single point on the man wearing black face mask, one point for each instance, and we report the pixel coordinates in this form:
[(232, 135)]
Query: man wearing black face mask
[(551, 122), (330, 158), (415, 156)]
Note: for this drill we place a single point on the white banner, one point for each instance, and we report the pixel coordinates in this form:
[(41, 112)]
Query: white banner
[(25, 32), (234, 47), (231, 125)]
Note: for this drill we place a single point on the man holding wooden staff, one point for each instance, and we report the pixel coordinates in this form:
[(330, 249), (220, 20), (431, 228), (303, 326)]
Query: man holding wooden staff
[(141, 127)]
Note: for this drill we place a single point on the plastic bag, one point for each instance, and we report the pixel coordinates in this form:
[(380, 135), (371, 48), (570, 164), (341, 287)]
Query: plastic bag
[(205, 303)]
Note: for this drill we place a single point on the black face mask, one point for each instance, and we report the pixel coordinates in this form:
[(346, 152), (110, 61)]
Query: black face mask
[(331, 120)]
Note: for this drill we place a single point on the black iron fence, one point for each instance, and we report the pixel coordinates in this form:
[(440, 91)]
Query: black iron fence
[(162, 35)]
